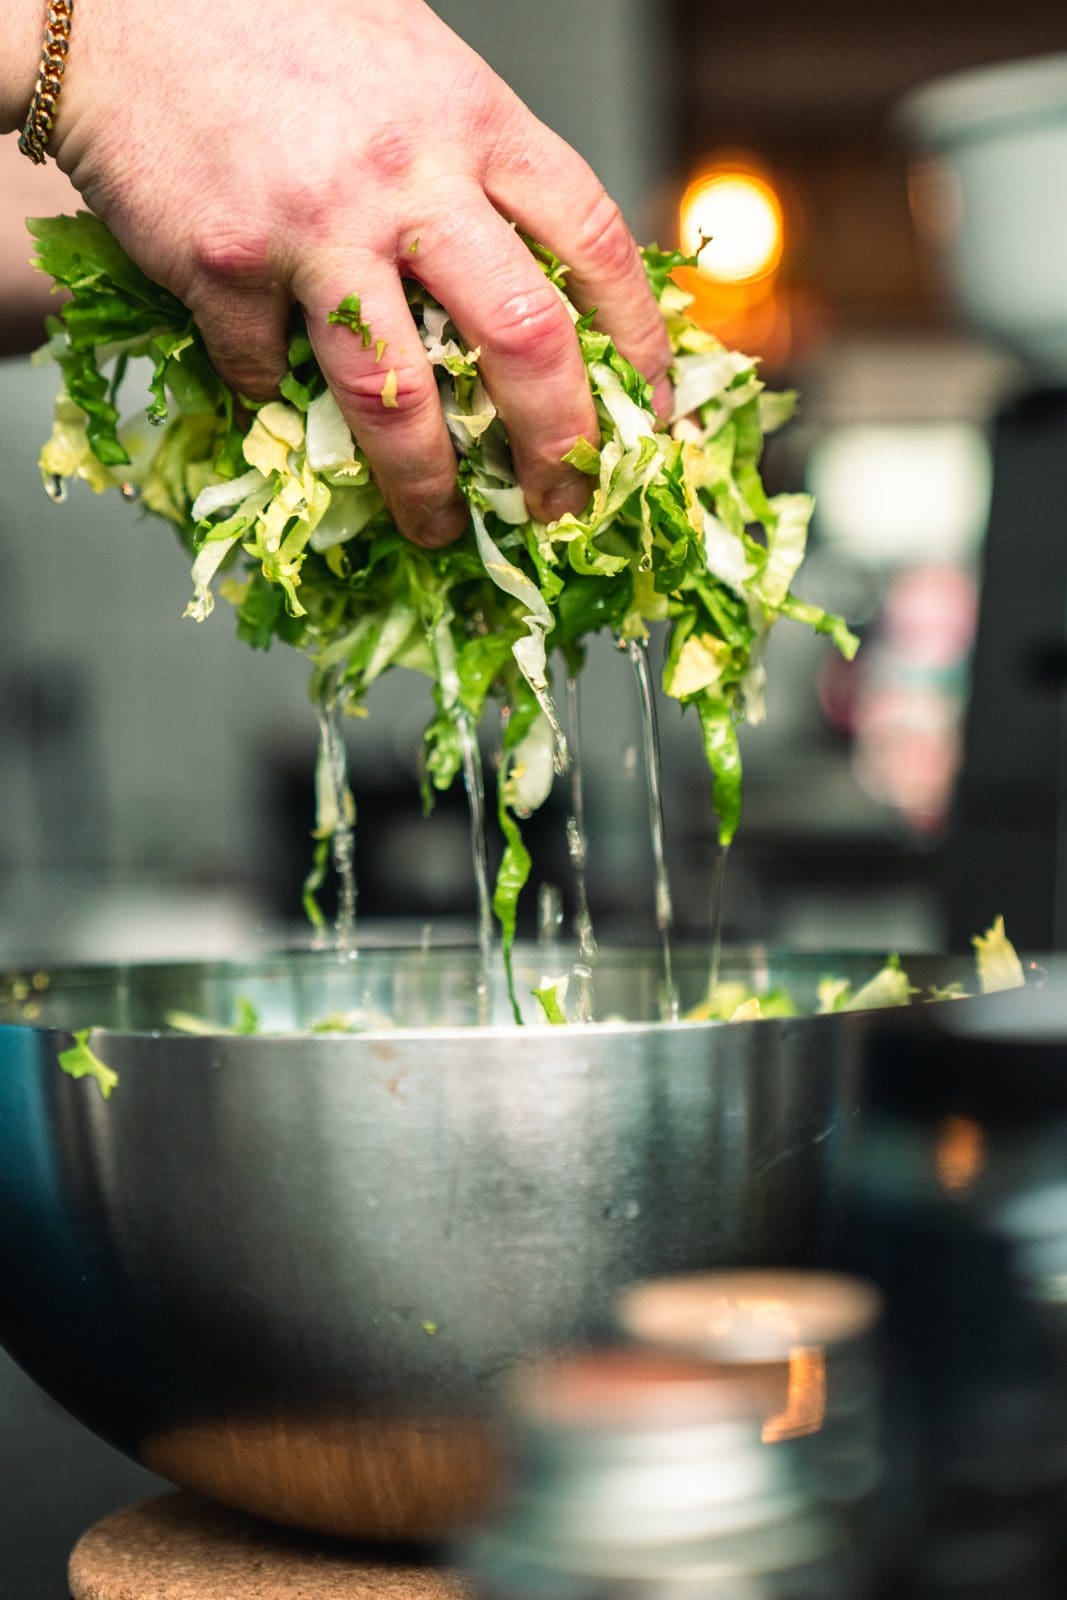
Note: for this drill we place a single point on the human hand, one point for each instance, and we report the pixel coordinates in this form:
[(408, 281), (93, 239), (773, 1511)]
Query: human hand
[(247, 156)]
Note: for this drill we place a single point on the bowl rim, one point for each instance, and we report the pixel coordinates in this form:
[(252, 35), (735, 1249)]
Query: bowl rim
[(757, 958)]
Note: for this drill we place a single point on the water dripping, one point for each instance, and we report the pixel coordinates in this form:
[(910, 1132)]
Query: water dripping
[(549, 916), (474, 784), (129, 491), (638, 651), (339, 808), (718, 874), (56, 489), (577, 843)]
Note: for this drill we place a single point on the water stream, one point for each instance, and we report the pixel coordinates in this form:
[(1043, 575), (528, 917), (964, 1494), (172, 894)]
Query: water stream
[(718, 874), (337, 810), (582, 970), (638, 652), (474, 783)]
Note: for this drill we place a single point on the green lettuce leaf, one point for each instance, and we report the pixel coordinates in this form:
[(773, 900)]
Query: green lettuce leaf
[(550, 997), (999, 967), (80, 1061)]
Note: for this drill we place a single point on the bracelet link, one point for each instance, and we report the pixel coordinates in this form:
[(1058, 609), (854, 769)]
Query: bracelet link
[(40, 119)]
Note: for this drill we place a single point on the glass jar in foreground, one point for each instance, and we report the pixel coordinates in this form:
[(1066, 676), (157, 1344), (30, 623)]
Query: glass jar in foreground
[(640, 1474)]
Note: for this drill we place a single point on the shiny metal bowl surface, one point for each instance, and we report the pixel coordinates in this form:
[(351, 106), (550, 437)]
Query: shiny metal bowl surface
[(289, 1270)]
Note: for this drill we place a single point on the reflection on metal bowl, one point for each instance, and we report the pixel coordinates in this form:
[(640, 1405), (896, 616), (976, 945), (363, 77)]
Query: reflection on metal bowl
[(289, 1271)]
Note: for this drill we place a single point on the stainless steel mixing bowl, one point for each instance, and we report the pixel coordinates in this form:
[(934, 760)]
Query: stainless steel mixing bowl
[(288, 1271)]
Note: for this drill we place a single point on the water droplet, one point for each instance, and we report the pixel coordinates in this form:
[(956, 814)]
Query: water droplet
[(474, 786), (129, 491), (576, 849), (56, 489), (549, 913), (156, 419), (575, 842)]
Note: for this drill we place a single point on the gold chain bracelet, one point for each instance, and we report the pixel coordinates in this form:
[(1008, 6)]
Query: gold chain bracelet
[(42, 113)]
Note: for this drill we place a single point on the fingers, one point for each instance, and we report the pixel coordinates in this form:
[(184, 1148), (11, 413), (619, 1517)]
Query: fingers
[(501, 301), (245, 334), (385, 387), (554, 196), (242, 308)]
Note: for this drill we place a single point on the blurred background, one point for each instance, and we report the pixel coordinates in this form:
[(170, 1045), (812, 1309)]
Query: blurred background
[(157, 775)]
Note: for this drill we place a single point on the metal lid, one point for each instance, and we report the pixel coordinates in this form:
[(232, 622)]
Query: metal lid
[(751, 1316), (594, 1390)]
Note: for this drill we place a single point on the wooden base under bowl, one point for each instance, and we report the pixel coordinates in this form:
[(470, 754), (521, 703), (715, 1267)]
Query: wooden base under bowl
[(350, 1478)]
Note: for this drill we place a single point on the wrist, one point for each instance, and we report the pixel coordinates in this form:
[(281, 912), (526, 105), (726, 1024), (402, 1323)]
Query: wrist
[(19, 60)]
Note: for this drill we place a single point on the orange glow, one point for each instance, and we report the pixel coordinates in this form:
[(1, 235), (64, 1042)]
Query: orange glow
[(960, 1153), (736, 288), (739, 214), (805, 1406)]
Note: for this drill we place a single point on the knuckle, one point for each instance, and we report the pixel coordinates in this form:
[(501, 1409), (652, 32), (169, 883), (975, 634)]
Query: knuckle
[(364, 395), (604, 242), (231, 255), (531, 326), (389, 154)]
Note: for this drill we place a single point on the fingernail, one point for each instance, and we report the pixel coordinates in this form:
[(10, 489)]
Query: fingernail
[(569, 495), (663, 400), (435, 528)]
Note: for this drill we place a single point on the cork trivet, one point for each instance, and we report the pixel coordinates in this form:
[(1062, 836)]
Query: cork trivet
[(179, 1547)]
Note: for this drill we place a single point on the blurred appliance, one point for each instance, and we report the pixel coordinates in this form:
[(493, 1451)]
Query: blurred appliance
[(954, 1208), (989, 194)]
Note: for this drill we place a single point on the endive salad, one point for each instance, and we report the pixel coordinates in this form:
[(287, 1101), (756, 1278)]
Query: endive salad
[(283, 521)]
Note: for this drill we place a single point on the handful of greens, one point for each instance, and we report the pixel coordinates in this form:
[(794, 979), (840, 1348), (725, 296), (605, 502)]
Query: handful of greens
[(279, 512)]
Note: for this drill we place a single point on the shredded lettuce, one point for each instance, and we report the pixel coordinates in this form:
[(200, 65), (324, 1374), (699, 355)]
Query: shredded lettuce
[(998, 965), (552, 997), (888, 987), (282, 519), (80, 1061)]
